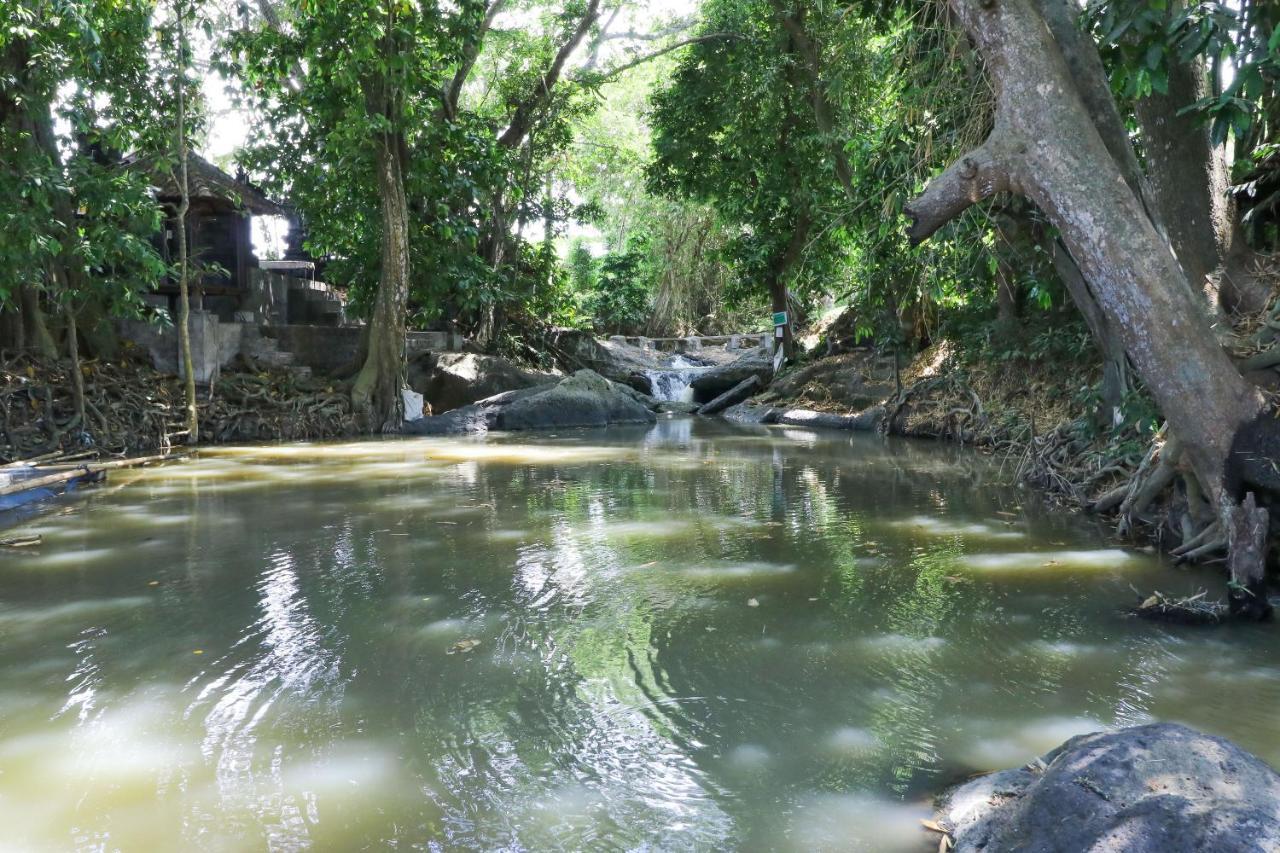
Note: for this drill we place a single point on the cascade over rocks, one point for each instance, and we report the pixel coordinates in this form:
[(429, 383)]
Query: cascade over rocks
[(585, 399), (1160, 788)]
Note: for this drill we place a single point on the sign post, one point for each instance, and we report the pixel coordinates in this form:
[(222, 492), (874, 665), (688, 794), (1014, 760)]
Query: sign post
[(780, 336)]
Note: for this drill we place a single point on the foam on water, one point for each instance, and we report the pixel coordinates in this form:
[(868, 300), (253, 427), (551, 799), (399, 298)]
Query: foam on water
[(1103, 558)]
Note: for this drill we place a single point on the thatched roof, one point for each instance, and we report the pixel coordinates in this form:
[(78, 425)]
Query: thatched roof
[(207, 181)]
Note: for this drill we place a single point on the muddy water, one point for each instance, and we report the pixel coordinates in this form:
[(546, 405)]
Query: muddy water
[(694, 637)]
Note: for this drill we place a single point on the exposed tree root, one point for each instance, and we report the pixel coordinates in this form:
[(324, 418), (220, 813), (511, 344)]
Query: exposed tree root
[(132, 409)]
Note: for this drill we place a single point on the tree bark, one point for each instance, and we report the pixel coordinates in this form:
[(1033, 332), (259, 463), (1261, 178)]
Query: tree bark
[(184, 297), (1046, 146), (779, 273), (376, 393), (37, 334), (1115, 364), (1246, 525)]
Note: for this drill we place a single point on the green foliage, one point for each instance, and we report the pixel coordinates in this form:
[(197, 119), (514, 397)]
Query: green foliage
[(80, 88), (621, 300)]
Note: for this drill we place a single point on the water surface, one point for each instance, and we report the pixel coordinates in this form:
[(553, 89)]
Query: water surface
[(692, 637)]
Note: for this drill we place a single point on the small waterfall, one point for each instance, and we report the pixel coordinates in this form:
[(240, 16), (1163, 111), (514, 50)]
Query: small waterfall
[(672, 383)]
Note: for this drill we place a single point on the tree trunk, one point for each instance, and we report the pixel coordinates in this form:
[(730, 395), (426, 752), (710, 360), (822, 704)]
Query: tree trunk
[(184, 298), (376, 394), (1189, 190), (1115, 364), (1045, 146), (37, 334), (1246, 525), (780, 273)]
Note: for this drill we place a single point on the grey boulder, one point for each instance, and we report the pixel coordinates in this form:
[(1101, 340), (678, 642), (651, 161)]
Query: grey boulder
[(585, 399), (449, 380), (1160, 788), (717, 380)]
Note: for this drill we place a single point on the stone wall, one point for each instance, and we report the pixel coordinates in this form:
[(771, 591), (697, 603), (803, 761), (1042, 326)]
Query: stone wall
[(214, 344), (327, 348)]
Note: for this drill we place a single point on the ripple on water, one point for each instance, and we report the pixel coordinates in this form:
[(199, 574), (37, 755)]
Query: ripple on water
[(1018, 744), (856, 822), (739, 571), (1103, 558), (934, 526)]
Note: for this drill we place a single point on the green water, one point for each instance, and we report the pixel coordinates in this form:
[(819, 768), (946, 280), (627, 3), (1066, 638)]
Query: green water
[(695, 637)]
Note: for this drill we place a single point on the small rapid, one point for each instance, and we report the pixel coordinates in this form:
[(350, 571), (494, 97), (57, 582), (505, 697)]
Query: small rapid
[(673, 382)]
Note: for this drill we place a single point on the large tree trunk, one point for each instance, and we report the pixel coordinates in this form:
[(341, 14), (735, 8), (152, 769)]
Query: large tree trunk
[(1045, 146), (376, 394), (184, 296), (1189, 189), (780, 274)]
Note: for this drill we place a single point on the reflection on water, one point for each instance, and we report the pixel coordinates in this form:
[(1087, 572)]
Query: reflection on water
[(696, 636)]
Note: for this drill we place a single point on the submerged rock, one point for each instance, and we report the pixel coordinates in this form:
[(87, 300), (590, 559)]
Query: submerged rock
[(1160, 788), (585, 399)]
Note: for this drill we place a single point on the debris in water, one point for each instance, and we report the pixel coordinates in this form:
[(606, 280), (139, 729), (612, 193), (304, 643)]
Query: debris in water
[(21, 541), (752, 602), (462, 647), (1189, 610)]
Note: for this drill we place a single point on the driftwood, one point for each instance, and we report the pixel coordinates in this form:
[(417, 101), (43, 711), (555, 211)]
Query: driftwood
[(93, 471)]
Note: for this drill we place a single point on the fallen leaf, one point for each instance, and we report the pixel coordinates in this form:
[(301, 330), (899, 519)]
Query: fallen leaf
[(932, 825), (462, 647), (751, 602)]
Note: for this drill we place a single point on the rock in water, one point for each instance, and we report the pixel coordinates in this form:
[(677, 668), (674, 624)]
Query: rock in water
[(449, 380), (734, 395), (1161, 788), (585, 399), (717, 380)]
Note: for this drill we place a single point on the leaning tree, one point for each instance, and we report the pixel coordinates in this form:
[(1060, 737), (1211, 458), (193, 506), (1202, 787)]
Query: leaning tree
[(1056, 140)]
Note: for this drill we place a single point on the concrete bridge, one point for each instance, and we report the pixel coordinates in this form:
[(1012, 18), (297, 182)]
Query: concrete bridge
[(693, 343)]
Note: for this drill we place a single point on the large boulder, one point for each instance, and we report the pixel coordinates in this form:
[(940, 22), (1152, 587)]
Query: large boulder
[(1161, 788), (585, 399), (711, 384), (612, 359), (449, 380)]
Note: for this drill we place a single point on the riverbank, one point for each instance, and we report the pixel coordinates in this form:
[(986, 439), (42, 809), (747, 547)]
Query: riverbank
[(133, 409), (1039, 417)]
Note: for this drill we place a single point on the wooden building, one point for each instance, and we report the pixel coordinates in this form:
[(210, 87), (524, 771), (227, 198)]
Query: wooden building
[(219, 240)]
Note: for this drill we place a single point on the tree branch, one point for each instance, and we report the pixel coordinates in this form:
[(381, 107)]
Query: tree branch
[(648, 57), (978, 175), (454, 90), (522, 120)]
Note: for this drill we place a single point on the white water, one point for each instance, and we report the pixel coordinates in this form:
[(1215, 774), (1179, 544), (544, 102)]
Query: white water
[(672, 383)]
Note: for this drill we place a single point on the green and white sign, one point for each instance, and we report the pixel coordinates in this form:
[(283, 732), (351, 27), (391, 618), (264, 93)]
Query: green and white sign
[(780, 318)]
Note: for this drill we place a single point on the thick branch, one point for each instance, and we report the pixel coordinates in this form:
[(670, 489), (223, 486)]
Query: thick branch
[(822, 109), (469, 56), (522, 120), (627, 66), (978, 175)]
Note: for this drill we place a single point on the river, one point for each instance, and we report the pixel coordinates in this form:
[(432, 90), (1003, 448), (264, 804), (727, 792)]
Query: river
[(691, 637)]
